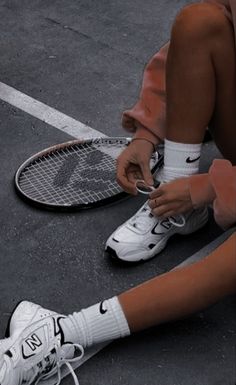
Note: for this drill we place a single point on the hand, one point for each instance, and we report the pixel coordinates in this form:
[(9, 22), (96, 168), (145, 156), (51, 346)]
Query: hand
[(171, 198), (133, 164)]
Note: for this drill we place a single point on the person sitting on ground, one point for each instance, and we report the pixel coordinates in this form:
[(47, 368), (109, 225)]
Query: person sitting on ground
[(187, 86)]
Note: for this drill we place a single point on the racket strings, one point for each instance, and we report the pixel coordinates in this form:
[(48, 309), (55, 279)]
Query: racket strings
[(77, 173)]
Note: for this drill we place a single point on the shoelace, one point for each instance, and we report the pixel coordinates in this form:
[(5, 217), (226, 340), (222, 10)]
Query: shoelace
[(56, 361), (60, 360), (68, 362), (143, 218)]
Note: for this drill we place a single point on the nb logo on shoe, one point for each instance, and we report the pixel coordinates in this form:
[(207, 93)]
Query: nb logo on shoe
[(33, 342), (30, 345), (165, 223)]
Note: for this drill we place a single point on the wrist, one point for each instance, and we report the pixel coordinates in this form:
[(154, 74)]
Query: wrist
[(201, 190), (146, 140), (144, 133)]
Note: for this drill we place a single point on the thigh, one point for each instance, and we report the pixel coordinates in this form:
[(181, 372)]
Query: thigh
[(223, 122)]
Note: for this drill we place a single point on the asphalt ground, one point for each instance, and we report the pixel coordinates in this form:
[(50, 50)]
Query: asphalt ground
[(86, 59)]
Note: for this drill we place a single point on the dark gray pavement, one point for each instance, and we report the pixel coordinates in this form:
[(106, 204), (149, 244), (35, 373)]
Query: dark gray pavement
[(85, 58)]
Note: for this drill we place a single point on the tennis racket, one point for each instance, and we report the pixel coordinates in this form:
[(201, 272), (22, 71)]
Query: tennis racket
[(75, 175)]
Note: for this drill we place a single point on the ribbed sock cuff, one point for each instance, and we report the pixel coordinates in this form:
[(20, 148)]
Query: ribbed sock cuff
[(99, 323), (180, 159)]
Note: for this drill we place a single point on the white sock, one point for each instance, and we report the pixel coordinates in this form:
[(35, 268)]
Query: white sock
[(98, 323), (180, 160)]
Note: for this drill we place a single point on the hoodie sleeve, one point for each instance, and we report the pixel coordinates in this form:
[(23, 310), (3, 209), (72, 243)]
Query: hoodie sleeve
[(147, 117), (217, 187)]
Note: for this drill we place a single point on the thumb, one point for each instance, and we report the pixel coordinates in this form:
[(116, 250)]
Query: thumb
[(147, 175)]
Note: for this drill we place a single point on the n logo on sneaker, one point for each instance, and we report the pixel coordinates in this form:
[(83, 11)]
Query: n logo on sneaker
[(33, 342), (30, 345), (165, 223)]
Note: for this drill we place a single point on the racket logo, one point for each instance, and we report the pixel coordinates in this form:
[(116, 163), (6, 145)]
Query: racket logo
[(101, 308), (65, 172)]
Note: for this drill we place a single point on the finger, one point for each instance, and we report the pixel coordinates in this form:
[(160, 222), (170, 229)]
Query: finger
[(162, 210), (124, 182), (133, 174), (152, 203), (147, 175), (157, 202), (156, 193), (133, 179), (170, 213)]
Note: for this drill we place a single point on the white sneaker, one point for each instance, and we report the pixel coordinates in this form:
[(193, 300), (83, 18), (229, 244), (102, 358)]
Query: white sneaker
[(143, 236), (35, 349)]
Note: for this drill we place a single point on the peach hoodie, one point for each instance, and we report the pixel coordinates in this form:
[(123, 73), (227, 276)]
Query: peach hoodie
[(147, 120)]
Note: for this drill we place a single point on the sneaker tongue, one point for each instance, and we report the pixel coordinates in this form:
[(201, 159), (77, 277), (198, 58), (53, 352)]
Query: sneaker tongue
[(68, 351), (143, 219)]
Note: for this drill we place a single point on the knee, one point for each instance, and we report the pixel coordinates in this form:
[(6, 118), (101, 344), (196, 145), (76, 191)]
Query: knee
[(199, 22)]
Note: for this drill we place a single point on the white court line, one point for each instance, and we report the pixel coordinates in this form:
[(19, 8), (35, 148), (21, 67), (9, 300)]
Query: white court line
[(47, 114)]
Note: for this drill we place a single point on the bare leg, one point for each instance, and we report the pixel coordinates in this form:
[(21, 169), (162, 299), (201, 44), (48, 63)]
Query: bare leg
[(182, 291), (201, 78)]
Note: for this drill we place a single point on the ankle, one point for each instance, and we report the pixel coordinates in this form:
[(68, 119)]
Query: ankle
[(98, 323), (180, 160)]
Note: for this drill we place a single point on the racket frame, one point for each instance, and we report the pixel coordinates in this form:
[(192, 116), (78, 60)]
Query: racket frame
[(74, 206)]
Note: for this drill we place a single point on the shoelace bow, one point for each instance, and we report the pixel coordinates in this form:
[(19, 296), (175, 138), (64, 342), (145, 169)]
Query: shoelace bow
[(56, 362)]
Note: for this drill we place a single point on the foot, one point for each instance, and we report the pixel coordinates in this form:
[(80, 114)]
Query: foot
[(143, 236), (35, 347)]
